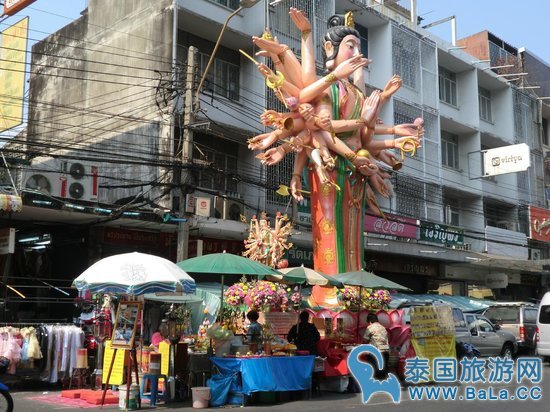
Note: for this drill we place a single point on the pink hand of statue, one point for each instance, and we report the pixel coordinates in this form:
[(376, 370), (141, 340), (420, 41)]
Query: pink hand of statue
[(370, 109), (324, 121), (347, 67), (268, 117), (264, 70), (410, 129), (393, 85), (365, 166), (408, 143), (273, 156), (270, 46), (377, 182), (300, 19), (296, 188), (306, 111), (264, 140)]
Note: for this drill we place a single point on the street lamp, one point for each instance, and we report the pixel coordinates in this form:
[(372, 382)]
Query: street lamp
[(243, 4)]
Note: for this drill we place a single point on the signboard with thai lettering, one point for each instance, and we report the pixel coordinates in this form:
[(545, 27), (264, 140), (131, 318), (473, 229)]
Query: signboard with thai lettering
[(13, 6), (507, 159), (496, 280), (304, 212), (393, 225), (211, 245), (281, 322), (300, 256), (441, 234), (539, 224)]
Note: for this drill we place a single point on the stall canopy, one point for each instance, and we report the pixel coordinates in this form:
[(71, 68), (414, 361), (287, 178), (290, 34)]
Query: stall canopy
[(465, 303), (206, 297), (368, 280)]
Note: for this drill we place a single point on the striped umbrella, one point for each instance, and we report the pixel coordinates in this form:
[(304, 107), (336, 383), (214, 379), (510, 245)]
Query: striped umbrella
[(134, 274)]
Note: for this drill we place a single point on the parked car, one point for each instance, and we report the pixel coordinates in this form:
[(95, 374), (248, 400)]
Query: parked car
[(543, 327), (489, 339), (518, 318)]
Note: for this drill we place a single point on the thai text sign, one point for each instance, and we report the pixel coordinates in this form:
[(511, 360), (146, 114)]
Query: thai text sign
[(507, 159), (304, 212), (13, 55), (393, 225), (441, 234), (539, 224), (13, 6), (435, 320)]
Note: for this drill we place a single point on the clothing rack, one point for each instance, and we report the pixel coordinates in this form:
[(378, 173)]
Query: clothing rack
[(38, 322)]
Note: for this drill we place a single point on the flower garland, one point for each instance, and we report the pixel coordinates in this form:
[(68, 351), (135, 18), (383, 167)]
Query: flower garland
[(260, 294), (376, 299), (264, 295), (370, 299), (235, 295), (349, 296)]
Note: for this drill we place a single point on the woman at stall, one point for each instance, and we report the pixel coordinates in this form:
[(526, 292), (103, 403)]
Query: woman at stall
[(254, 331)]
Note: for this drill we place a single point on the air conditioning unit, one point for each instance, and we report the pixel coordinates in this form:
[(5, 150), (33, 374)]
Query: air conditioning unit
[(80, 181), (42, 175), (228, 209), (65, 179)]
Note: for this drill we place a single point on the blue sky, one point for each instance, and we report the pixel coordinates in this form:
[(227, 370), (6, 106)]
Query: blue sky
[(519, 23), (47, 16)]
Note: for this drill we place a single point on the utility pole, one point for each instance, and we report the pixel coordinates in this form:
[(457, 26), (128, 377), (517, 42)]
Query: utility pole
[(186, 150)]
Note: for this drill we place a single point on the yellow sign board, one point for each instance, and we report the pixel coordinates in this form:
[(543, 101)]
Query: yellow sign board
[(13, 56), (164, 350), (117, 374)]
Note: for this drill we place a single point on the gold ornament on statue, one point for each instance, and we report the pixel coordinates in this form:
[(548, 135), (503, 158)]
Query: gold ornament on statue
[(348, 19)]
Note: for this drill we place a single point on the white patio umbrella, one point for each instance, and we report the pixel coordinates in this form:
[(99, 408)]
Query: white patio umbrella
[(134, 274)]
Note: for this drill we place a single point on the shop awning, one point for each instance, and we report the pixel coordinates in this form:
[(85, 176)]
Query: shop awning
[(465, 303), (10, 203), (494, 262)]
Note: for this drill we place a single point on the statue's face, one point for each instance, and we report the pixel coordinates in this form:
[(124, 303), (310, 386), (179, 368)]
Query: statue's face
[(349, 47)]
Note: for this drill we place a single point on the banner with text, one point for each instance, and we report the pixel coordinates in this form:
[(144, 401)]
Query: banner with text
[(13, 57), (441, 234), (507, 159), (393, 225)]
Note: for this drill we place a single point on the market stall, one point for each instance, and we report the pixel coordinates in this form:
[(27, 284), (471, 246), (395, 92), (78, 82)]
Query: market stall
[(269, 374)]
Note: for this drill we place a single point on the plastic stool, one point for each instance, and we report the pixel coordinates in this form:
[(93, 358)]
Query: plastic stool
[(154, 395)]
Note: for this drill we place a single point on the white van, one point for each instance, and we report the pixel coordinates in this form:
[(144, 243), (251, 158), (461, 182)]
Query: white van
[(543, 327)]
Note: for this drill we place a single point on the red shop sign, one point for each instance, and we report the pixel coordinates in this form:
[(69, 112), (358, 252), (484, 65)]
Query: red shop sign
[(394, 225), (539, 224)]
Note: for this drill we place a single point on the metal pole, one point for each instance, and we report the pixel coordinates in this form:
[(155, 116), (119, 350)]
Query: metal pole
[(186, 151), (211, 60)]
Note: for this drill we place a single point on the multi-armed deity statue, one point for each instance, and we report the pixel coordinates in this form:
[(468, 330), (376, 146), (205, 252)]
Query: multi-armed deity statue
[(331, 125)]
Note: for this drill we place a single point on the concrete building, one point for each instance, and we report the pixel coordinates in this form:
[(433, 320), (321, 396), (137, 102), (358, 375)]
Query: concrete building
[(108, 112)]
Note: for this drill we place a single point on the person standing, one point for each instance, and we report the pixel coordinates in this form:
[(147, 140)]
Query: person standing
[(377, 335), (304, 335), (254, 331)]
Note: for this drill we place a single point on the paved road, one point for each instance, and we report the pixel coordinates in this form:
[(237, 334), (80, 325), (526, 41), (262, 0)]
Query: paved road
[(39, 401)]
